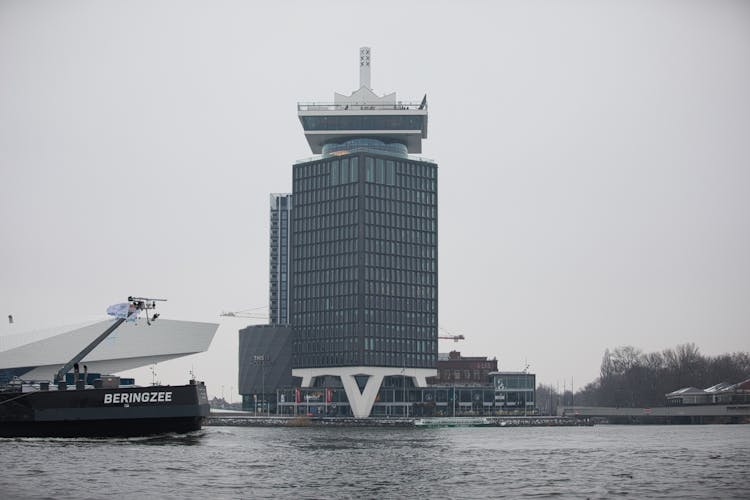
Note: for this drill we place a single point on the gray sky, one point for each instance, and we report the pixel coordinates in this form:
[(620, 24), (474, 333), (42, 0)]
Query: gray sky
[(594, 163)]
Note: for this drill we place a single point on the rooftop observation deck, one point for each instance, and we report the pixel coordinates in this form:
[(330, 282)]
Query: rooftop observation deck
[(398, 107), (334, 122), (364, 115)]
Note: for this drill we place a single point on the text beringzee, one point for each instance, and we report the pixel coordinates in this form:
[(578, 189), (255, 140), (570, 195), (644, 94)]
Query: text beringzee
[(138, 397)]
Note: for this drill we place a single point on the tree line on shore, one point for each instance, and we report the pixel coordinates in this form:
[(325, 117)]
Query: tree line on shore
[(631, 378)]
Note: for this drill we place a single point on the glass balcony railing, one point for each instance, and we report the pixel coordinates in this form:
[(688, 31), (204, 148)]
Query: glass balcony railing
[(363, 106)]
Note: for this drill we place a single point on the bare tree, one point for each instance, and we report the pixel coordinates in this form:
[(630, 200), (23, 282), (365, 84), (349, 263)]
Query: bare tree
[(628, 377)]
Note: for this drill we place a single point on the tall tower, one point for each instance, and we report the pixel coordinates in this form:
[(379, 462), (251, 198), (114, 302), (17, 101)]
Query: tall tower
[(279, 258), (364, 244)]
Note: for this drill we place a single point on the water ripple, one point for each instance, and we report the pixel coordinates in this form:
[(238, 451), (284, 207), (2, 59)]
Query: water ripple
[(237, 462)]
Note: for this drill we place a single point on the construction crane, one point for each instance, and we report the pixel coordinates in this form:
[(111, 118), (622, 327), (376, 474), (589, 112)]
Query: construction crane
[(448, 335), (454, 338), (246, 313)]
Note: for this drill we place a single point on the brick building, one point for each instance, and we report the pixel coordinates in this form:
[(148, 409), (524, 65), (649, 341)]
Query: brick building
[(465, 370)]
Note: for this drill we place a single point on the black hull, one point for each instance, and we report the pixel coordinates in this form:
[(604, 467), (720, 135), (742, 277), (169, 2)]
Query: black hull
[(101, 428), (116, 412)]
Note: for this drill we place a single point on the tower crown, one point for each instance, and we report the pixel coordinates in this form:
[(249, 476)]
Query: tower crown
[(364, 115)]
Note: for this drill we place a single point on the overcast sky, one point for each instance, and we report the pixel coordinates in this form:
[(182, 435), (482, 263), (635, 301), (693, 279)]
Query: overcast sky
[(594, 163)]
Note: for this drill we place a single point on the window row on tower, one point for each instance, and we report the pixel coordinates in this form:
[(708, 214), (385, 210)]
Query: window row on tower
[(401, 195), (380, 209), (400, 303), (403, 183), (421, 248), (322, 276), (325, 202), (390, 316), (326, 303), (323, 183), (400, 331), (384, 290), (381, 198), (399, 310), (379, 316), (400, 262), (423, 236), (393, 317), (399, 290), (328, 331), (400, 345), (383, 178), (305, 359), (399, 276), (334, 219), (321, 235), (399, 359), (316, 290), (329, 345), (323, 249), (303, 266), (325, 317)]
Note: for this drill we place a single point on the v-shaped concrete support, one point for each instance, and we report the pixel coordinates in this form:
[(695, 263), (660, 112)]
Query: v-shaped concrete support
[(362, 402)]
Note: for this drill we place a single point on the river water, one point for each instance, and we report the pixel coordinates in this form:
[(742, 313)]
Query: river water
[(245, 462)]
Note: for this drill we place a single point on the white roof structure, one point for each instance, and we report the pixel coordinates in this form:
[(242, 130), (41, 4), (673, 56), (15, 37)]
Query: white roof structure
[(364, 114), (685, 391), (132, 345)]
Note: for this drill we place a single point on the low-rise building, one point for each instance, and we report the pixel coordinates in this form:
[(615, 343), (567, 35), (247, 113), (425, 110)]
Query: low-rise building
[(464, 370), (722, 393), (265, 365), (515, 390)]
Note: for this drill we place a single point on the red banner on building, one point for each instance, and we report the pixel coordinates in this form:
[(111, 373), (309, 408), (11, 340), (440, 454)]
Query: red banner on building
[(297, 395), (329, 394)]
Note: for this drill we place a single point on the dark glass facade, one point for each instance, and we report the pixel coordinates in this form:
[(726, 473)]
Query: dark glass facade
[(265, 356), (515, 389), (279, 264), (363, 122), (364, 261)]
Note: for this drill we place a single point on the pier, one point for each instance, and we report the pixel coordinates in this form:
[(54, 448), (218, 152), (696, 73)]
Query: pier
[(692, 414)]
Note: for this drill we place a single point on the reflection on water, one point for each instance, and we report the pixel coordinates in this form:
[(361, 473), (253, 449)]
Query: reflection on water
[(231, 462)]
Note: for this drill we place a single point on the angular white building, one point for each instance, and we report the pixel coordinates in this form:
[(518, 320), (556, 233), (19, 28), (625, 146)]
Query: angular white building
[(132, 345)]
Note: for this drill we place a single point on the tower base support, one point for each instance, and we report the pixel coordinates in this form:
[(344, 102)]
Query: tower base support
[(361, 402)]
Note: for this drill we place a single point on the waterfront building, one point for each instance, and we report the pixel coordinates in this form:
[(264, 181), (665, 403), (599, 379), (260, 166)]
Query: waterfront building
[(722, 393), (515, 390), (265, 357), (392, 400), (453, 368), (364, 253), (279, 265)]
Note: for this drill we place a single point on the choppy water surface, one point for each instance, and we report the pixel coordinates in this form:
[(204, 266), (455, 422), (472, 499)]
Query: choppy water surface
[(235, 462)]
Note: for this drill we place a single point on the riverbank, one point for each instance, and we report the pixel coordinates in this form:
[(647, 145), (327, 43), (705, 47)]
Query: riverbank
[(250, 420)]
